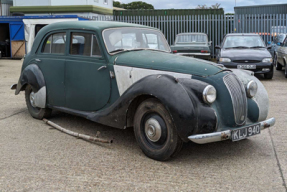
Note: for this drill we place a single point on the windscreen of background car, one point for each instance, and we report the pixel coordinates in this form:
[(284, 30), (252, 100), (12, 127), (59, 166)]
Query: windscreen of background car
[(188, 38), (243, 41), (134, 38)]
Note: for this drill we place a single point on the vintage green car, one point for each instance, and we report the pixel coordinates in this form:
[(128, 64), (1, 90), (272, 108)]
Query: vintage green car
[(124, 75)]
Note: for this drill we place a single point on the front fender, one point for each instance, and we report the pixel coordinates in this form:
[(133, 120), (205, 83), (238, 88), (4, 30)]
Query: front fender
[(33, 76), (181, 102)]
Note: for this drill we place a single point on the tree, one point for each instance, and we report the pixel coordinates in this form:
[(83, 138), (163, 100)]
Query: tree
[(133, 5), (216, 6)]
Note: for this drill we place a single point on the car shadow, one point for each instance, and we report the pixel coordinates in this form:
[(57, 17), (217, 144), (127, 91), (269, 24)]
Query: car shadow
[(125, 142)]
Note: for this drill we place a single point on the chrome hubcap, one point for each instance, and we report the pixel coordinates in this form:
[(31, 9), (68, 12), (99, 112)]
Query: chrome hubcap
[(153, 130), (32, 99)]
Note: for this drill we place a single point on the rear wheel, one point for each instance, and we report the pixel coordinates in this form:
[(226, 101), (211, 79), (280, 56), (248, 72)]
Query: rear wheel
[(155, 131), (35, 111), (277, 65)]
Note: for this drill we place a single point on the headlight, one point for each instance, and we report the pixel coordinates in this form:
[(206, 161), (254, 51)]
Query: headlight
[(225, 60), (251, 89), (267, 60), (209, 94)]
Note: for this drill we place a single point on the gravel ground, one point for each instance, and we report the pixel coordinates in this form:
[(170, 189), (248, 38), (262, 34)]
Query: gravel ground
[(34, 157)]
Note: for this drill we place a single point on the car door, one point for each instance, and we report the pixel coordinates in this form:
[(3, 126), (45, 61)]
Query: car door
[(284, 52), (51, 60), (86, 75)]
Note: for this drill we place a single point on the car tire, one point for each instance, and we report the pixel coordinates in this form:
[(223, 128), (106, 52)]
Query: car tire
[(277, 65), (155, 131), (268, 75), (285, 71), (36, 112)]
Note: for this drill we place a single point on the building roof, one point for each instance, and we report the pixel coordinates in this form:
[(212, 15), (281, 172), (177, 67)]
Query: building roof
[(262, 9)]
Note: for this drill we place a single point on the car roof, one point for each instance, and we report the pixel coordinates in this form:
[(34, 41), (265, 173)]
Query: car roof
[(191, 34), (242, 34), (97, 26)]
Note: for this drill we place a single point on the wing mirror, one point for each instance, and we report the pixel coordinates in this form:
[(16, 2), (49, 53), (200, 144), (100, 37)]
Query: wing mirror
[(209, 43), (217, 47), (268, 47)]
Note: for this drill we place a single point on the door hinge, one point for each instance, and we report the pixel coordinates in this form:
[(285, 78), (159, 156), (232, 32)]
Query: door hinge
[(112, 75)]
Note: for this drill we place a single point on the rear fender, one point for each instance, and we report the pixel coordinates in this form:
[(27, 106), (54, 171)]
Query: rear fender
[(33, 76)]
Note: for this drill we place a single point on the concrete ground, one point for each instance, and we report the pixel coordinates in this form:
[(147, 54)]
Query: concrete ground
[(34, 157)]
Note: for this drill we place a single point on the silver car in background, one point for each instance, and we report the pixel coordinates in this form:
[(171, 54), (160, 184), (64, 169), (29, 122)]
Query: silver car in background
[(192, 45), (280, 58), (276, 43)]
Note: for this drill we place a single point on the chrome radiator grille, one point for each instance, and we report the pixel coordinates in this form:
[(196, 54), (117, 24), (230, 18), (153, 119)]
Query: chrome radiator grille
[(238, 96)]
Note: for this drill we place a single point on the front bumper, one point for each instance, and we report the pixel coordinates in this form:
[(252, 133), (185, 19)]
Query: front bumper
[(259, 66), (225, 135)]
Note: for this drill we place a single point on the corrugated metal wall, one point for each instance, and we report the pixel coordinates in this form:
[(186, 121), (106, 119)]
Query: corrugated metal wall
[(262, 9)]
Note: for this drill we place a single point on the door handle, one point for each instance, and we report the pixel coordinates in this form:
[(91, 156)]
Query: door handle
[(38, 60), (102, 67)]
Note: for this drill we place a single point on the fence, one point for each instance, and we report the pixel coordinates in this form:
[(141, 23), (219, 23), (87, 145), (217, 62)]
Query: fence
[(215, 26)]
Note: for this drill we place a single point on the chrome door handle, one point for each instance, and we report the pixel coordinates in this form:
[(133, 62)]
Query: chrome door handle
[(102, 67), (37, 60)]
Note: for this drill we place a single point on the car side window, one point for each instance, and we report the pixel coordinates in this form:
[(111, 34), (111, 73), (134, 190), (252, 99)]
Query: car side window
[(55, 44), (85, 44)]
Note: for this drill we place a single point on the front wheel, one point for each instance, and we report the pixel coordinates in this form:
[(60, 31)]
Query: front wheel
[(268, 75), (155, 131), (35, 111)]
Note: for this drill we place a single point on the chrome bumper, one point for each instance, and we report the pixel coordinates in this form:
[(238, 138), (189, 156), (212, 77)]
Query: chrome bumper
[(224, 135)]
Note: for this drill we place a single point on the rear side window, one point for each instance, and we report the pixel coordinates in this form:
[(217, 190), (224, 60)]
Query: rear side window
[(55, 44), (85, 44)]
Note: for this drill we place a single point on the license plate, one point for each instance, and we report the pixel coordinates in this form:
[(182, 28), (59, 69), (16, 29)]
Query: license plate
[(246, 66), (244, 132)]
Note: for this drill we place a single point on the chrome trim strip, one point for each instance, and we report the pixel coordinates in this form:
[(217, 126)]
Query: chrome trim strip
[(141, 28), (225, 135)]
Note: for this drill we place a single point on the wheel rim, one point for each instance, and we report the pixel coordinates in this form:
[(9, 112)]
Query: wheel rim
[(154, 130), (32, 99)]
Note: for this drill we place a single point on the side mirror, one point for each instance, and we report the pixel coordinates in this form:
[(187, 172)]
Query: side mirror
[(269, 42), (209, 43), (217, 47), (268, 47)]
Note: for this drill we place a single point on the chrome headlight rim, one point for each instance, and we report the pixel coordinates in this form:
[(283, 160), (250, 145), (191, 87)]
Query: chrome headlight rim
[(207, 90), (224, 60), (248, 89), (267, 60)]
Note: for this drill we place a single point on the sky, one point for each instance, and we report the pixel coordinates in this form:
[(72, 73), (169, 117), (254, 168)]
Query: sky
[(228, 5)]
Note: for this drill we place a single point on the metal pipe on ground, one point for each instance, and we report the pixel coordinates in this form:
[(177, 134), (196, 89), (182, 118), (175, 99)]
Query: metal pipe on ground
[(78, 135)]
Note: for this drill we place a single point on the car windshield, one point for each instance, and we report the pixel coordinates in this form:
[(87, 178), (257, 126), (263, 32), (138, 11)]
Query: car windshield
[(128, 39), (240, 41), (191, 38)]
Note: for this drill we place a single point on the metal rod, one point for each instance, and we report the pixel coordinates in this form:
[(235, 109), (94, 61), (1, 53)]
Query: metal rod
[(78, 135)]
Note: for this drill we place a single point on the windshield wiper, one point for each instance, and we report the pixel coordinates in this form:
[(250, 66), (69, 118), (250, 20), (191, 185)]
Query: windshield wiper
[(122, 50), (257, 47)]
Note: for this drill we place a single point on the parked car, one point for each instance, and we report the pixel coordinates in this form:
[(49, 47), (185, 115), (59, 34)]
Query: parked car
[(246, 51), (192, 45), (280, 59), (116, 78), (277, 42)]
